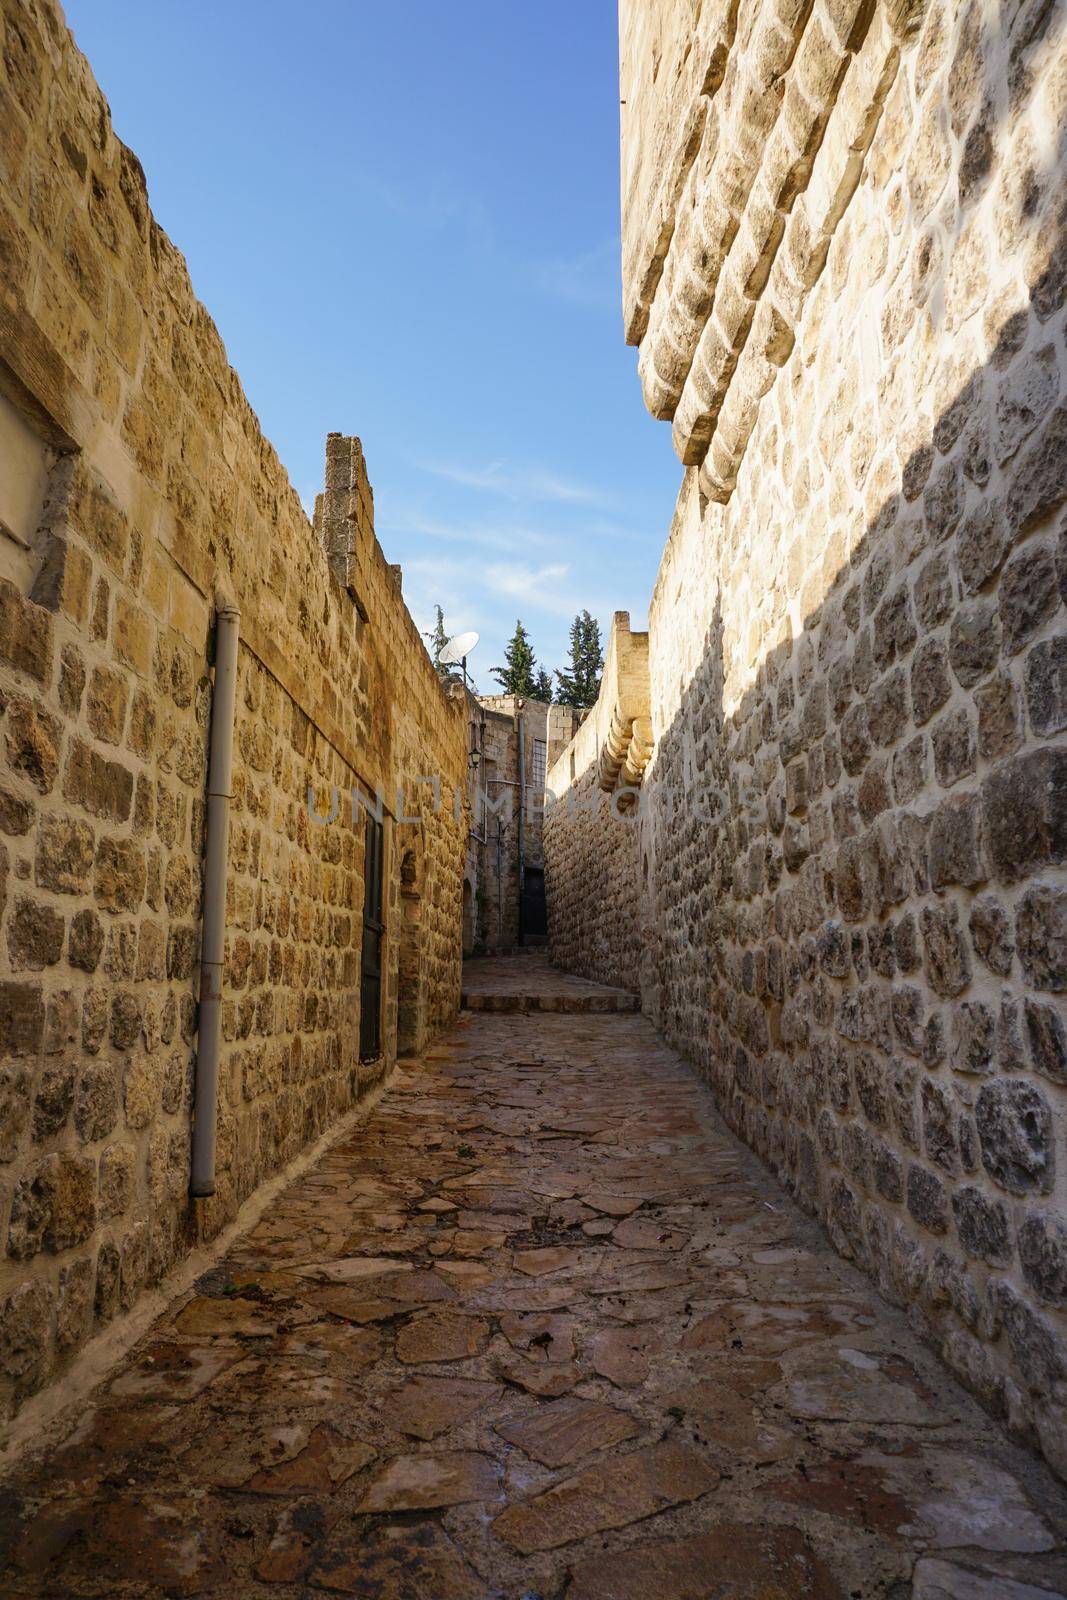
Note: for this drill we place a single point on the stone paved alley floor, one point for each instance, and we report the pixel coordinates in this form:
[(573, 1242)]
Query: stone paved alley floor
[(526, 982), (538, 1327)]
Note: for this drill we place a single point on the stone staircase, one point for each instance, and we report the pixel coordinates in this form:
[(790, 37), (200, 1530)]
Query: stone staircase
[(526, 982)]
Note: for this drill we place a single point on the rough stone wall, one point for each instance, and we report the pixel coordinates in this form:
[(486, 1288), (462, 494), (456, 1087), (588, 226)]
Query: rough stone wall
[(849, 303), (161, 491), (592, 871)]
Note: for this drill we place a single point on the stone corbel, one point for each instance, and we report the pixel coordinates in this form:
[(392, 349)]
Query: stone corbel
[(626, 752), (640, 752)]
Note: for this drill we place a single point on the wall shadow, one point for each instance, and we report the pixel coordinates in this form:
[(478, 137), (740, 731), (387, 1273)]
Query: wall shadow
[(832, 942), (847, 880)]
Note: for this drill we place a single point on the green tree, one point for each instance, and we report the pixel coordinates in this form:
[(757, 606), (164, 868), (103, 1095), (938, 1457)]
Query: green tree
[(516, 676), (580, 686), (543, 686), (438, 638)]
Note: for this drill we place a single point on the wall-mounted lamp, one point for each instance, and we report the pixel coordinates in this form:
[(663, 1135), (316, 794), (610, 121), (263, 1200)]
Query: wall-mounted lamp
[(475, 759)]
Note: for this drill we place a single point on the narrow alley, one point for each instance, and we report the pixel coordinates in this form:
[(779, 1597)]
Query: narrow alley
[(538, 1327)]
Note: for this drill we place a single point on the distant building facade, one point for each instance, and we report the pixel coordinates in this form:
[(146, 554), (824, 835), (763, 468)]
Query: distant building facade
[(512, 743)]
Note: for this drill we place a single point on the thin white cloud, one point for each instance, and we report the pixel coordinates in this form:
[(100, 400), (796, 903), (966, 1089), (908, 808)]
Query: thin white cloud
[(522, 484), (435, 206), (545, 589), (488, 598), (589, 279), (514, 578), (444, 583), (506, 536), (475, 589)]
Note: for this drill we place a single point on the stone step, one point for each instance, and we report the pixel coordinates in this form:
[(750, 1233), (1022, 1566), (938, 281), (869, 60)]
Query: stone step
[(602, 1002)]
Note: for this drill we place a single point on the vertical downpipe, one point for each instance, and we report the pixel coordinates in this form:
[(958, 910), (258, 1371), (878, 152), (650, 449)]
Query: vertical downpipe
[(213, 940)]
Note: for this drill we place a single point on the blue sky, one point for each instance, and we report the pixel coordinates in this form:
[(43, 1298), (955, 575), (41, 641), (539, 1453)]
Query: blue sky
[(404, 220)]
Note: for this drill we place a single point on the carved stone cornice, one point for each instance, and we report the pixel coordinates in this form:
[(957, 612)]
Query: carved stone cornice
[(773, 108)]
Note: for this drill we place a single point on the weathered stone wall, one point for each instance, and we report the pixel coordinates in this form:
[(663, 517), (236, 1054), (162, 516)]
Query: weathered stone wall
[(494, 865), (592, 870), (159, 491), (845, 268)]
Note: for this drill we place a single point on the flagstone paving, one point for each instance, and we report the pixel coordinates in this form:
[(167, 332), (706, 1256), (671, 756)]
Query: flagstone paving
[(539, 1327), (526, 981)]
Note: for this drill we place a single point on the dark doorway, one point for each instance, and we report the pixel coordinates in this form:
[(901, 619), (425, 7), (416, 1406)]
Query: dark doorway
[(468, 918), (533, 913), (370, 991)]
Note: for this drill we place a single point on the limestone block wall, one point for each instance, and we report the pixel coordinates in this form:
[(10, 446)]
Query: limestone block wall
[(848, 294), (159, 490), (592, 870)]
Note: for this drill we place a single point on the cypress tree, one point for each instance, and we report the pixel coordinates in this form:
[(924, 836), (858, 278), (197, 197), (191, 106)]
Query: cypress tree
[(516, 676), (580, 686), (438, 639)]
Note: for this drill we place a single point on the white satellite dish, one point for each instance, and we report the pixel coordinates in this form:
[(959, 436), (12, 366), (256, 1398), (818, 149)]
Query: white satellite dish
[(458, 649)]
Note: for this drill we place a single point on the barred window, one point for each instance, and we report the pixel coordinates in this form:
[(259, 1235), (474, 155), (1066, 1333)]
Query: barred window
[(540, 768)]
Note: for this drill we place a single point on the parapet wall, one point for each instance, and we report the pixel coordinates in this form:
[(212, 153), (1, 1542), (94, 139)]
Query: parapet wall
[(844, 265), (160, 492), (592, 838)]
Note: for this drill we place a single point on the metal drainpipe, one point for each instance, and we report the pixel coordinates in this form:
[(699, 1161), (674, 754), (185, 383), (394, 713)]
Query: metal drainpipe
[(213, 941), (522, 815)]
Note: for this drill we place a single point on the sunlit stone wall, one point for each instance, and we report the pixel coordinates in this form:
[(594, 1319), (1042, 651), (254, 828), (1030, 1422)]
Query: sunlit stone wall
[(155, 489)]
